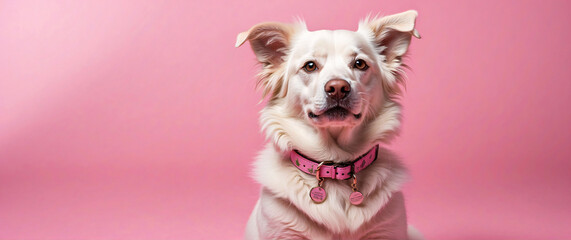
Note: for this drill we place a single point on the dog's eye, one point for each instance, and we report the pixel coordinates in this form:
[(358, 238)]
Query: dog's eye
[(360, 64), (310, 66)]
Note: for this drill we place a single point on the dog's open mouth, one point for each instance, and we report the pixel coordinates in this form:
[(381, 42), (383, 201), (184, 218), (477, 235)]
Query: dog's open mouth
[(334, 114)]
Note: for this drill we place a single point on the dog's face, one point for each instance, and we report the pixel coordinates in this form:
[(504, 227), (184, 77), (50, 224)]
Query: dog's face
[(332, 78)]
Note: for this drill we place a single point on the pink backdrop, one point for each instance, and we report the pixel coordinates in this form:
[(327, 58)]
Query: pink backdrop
[(138, 119)]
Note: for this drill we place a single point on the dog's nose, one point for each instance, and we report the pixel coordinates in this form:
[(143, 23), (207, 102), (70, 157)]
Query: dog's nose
[(337, 89)]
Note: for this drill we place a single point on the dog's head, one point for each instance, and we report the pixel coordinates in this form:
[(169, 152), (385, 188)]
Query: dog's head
[(335, 82)]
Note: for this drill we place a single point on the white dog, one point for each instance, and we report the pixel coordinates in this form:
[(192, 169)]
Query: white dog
[(332, 101)]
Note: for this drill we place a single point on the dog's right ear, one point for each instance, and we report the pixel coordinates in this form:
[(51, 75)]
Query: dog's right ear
[(270, 41)]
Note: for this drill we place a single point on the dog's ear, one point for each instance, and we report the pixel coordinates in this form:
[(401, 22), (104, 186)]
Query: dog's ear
[(269, 41), (392, 34)]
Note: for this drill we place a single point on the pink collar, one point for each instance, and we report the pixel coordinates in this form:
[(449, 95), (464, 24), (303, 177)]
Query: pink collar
[(331, 170)]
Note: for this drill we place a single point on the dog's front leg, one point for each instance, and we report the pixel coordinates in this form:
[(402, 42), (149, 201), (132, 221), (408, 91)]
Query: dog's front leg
[(277, 218)]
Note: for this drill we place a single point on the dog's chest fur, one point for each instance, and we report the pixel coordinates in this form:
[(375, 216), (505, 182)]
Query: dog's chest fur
[(285, 209)]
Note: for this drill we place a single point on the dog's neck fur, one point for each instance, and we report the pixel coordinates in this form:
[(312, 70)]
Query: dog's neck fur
[(338, 133), (288, 131)]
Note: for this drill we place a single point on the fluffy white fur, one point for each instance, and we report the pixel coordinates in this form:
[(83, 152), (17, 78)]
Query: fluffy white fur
[(285, 210)]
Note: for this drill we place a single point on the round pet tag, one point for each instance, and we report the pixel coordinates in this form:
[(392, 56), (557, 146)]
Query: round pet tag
[(356, 198), (317, 194)]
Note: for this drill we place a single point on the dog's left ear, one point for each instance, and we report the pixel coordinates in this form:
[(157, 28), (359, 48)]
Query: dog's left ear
[(392, 34)]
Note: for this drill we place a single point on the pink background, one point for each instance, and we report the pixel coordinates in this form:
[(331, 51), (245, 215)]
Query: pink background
[(138, 119)]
